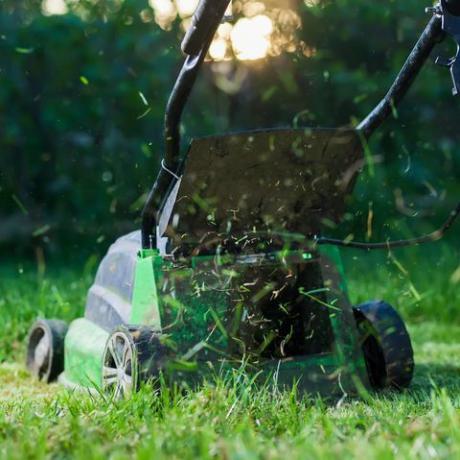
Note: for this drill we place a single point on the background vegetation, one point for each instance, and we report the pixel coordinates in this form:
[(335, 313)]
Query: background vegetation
[(82, 97), (230, 417)]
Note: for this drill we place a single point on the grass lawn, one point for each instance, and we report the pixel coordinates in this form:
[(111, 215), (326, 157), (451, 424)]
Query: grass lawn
[(235, 419)]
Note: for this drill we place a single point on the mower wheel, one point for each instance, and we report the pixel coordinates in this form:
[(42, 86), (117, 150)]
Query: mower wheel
[(386, 345), (132, 356), (45, 349)]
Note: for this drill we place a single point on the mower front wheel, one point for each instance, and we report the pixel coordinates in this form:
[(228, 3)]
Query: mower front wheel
[(45, 349), (132, 356), (386, 345)]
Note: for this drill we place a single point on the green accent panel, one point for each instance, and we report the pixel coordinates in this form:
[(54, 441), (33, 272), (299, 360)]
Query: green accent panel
[(145, 298), (145, 253), (84, 347)]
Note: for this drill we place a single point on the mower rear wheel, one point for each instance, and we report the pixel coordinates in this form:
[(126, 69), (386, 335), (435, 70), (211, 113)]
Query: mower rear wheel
[(386, 345), (45, 349), (132, 356)]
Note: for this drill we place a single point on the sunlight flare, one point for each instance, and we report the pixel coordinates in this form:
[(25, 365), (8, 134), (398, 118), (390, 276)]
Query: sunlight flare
[(186, 8), (165, 12), (51, 7), (250, 37)]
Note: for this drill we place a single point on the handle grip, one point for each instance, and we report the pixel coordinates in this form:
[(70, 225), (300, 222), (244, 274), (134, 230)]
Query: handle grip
[(205, 21)]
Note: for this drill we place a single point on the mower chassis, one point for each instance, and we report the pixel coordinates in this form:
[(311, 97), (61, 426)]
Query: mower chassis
[(198, 341)]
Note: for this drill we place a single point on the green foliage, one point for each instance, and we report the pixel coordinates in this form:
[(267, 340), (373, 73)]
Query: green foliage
[(26, 295), (227, 420), (229, 417), (79, 145), (82, 98), (422, 283), (232, 417)]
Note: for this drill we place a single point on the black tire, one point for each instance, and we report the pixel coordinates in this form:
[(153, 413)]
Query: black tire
[(45, 349), (132, 356), (386, 345)]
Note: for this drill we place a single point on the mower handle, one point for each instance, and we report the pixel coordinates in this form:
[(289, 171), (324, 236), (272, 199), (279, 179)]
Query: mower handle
[(432, 34), (196, 44), (207, 15), (445, 21)]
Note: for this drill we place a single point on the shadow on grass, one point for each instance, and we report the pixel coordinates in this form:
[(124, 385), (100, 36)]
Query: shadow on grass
[(435, 376)]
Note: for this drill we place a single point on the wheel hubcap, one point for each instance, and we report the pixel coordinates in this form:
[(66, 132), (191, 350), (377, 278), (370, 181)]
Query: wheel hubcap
[(39, 353), (119, 371)]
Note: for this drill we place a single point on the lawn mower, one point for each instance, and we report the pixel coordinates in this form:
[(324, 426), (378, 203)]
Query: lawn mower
[(231, 267)]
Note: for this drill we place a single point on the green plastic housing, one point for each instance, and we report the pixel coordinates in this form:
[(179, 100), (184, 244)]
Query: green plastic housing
[(285, 315)]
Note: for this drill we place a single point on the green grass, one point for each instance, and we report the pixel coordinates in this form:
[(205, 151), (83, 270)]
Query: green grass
[(234, 418)]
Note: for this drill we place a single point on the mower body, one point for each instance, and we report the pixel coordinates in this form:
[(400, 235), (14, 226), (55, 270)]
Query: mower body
[(273, 301), (214, 312), (228, 268)]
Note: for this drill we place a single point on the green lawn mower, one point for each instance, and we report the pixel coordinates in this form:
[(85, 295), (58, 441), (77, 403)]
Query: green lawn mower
[(230, 267)]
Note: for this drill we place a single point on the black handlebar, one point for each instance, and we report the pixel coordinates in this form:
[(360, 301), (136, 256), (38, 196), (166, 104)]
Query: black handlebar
[(207, 15), (196, 43), (432, 35)]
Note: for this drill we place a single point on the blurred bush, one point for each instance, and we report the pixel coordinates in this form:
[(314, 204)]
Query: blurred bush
[(82, 97)]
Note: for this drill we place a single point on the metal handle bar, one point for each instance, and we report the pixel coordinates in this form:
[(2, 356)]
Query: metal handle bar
[(432, 35), (207, 15)]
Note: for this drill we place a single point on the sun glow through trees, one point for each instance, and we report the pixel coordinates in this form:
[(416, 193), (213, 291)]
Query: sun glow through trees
[(259, 29)]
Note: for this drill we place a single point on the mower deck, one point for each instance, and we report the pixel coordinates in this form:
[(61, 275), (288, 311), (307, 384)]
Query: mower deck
[(212, 313)]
